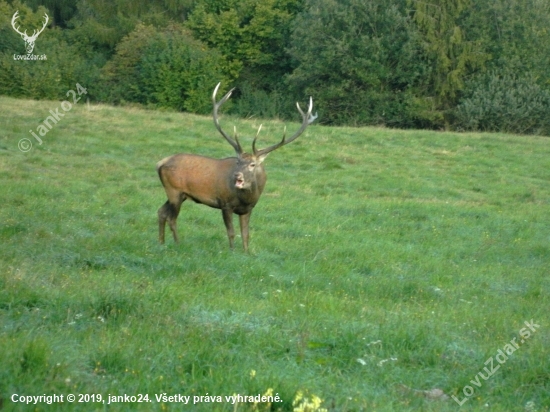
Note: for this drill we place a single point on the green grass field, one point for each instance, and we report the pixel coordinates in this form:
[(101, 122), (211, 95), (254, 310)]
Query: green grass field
[(385, 265)]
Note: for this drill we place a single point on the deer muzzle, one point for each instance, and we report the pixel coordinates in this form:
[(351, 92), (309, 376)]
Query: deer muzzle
[(239, 180)]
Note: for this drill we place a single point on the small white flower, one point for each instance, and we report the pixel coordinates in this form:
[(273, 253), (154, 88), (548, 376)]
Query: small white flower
[(386, 360)]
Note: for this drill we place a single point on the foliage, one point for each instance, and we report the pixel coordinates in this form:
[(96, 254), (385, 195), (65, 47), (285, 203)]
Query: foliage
[(254, 102), (452, 54), (61, 10), (515, 34), (103, 24), (361, 61), (165, 68), (121, 73), (252, 34), (507, 103)]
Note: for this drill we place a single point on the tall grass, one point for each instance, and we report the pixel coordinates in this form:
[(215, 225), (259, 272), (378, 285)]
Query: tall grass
[(384, 265)]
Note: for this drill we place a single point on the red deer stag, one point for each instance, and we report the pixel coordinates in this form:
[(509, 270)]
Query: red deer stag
[(233, 185)]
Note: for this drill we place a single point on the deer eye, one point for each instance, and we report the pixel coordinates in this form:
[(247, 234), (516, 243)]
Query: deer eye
[(252, 165)]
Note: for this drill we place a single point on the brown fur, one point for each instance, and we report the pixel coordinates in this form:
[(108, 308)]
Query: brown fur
[(211, 182)]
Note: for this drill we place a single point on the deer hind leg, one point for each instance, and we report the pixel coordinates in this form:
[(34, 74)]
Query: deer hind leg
[(164, 213), (170, 211)]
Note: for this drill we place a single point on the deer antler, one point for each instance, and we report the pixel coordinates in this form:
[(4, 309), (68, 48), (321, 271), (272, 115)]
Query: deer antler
[(234, 143), (307, 119)]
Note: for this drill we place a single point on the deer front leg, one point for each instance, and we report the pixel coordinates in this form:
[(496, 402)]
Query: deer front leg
[(228, 220), (243, 220)]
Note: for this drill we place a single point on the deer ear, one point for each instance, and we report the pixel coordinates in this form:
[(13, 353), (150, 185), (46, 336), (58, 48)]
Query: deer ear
[(261, 158)]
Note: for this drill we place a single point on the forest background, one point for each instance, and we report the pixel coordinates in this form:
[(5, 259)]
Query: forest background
[(440, 64)]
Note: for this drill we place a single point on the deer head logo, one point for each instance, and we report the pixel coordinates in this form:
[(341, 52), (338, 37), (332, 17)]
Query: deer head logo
[(29, 40)]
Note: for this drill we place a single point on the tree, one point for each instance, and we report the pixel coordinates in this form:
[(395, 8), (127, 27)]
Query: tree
[(166, 68), (61, 11), (453, 55), (515, 33), (513, 94), (361, 60), (253, 34)]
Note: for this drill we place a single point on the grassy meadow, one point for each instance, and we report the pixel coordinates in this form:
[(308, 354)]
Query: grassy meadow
[(386, 268)]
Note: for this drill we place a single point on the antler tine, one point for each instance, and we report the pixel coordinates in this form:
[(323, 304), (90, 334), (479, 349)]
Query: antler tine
[(234, 143), (255, 138), (236, 137), (307, 119)]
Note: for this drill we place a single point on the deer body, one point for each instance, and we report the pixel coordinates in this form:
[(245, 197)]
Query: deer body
[(233, 184)]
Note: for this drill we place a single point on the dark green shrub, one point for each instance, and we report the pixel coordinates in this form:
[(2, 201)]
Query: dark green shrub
[(164, 68), (253, 34), (362, 62), (179, 72), (121, 76), (256, 102), (504, 103)]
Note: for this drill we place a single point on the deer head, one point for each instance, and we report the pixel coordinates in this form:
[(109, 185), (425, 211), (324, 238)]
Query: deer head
[(29, 40), (249, 166)]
